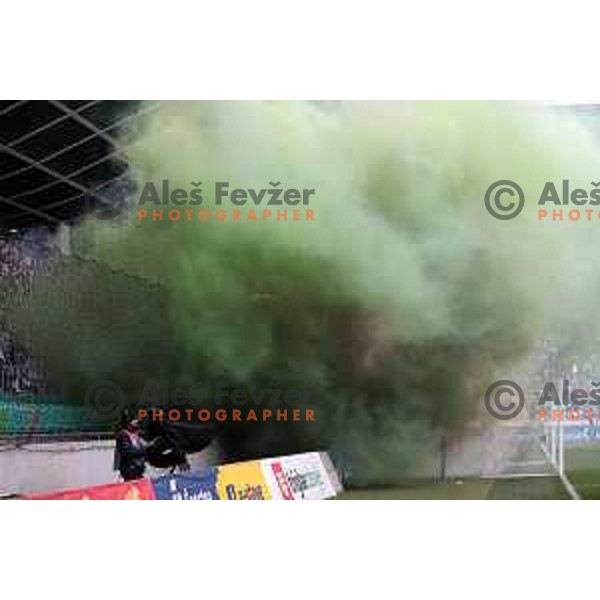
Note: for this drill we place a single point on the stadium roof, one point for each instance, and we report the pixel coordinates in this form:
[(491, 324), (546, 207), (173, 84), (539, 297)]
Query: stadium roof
[(57, 157), (54, 155)]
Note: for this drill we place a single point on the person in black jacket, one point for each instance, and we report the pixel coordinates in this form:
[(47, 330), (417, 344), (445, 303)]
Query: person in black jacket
[(130, 450)]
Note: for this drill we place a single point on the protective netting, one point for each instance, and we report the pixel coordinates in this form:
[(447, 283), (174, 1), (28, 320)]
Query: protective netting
[(57, 158), (56, 155)]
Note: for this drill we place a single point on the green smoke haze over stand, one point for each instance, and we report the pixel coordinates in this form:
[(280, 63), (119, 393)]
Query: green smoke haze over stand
[(397, 305)]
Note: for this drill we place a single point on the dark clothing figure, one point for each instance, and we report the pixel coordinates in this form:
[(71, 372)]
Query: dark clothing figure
[(164, 449), (130, 454)]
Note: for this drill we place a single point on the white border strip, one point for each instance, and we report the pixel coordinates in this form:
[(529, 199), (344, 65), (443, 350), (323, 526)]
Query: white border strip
[(568, 485)]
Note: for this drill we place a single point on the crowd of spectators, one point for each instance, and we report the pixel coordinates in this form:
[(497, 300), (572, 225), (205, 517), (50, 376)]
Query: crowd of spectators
[(20, 254), (15, 264), (19, 372)]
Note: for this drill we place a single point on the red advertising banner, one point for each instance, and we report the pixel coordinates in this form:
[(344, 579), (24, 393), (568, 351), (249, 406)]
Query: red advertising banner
[(141, 489), (282, 482)]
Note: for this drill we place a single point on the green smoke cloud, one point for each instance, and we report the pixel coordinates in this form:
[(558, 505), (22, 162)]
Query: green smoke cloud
[(395, 307)]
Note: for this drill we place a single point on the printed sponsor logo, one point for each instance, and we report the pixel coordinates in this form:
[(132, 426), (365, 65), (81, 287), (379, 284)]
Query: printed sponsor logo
[(282, 482), (184, 487), (242, 481)]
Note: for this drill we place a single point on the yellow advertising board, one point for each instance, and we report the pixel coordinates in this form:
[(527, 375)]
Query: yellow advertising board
[(242, 481)]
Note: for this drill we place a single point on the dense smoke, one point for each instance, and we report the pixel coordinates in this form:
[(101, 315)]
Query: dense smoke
[(396, 307)]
